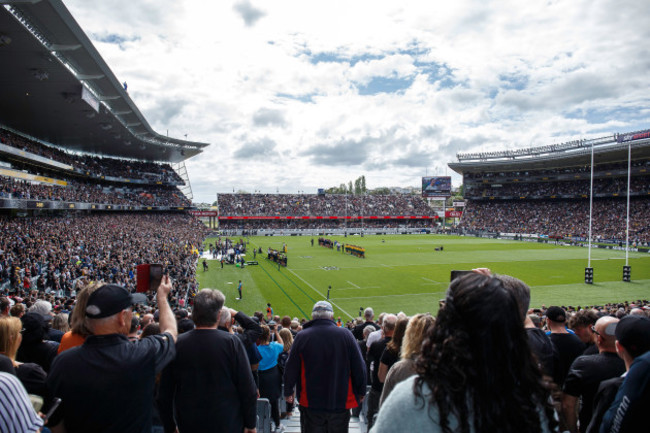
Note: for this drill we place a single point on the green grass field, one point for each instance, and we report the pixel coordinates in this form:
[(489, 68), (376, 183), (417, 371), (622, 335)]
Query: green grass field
[(405, 273)]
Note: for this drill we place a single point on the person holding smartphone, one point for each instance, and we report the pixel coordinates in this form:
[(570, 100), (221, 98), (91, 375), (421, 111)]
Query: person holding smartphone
[(107, 383)]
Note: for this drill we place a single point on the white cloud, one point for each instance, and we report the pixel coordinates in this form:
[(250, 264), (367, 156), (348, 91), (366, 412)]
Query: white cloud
[(241, 75)]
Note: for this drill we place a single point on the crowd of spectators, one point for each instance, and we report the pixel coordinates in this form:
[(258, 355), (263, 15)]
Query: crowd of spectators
[(324, 224), (598, 168), (88, 192), (98, 166), (321, 205), (57, 254), (574, 188), (392, 346), (561, 218)]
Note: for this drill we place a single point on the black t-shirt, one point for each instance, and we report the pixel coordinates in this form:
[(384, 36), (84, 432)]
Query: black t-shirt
[(107, 384), (41, 353), (6, 365), (358, 330), (209, 386), (374, 355), (32, 376), (543, 349), (585, 376), (389, 357), (590, 349), (602, 401), (568, 348)]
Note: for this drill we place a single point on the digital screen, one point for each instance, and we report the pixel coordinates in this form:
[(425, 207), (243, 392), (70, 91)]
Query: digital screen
[(436, 186)]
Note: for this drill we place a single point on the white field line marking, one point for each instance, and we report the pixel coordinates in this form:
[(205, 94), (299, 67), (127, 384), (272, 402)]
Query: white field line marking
[(358, 288), (323, 296), (391, 296), (611, 258), (354, 285), (432, 281)]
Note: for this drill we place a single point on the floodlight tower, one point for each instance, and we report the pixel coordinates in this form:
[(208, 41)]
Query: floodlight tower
[(627, 269), (589, 271)]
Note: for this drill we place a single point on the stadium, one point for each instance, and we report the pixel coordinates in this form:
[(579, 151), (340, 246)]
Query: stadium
[(90, 193)]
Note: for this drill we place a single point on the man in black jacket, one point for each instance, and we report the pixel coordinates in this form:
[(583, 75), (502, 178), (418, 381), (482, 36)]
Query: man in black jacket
[(368, 315), (326, 368), (209, 387)]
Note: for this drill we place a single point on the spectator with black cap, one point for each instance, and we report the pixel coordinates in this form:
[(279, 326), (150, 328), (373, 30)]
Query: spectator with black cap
[(568, 347), (107, 383), (632, 341)]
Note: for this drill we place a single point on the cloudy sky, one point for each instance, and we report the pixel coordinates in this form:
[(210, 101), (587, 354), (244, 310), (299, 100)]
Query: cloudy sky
[(297, 95)]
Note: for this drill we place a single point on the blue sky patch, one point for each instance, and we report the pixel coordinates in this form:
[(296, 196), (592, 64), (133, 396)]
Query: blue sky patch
[(438, 73), (635, 119), (340, 58), (385, 85), (513, 81), (302, 98), (115, 39)]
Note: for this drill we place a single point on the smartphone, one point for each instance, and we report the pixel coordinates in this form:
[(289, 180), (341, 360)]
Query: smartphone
[(148, 277), (55, 404), (155, 276), (458, 274)]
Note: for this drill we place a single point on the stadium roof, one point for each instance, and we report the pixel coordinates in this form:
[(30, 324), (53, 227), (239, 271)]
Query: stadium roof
[(57, 88), (613, 148)]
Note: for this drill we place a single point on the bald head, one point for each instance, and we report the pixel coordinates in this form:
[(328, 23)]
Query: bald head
[(636, 312), (605, 333), (146, 319)]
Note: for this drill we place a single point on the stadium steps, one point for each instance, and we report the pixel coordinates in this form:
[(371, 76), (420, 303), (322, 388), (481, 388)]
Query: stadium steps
[(292, 425)]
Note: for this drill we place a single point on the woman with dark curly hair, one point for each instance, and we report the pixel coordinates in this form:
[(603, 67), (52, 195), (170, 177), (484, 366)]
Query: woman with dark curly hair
[(476, 372)]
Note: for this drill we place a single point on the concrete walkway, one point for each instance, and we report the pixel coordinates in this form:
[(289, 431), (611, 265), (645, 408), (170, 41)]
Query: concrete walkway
[(292, 425)]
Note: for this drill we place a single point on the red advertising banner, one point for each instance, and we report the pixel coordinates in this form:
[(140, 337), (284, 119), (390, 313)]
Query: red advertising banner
[(204, 213), (453, 214)]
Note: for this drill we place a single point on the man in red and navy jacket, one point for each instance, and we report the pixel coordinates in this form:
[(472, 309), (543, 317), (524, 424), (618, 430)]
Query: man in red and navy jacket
[(327, 370)]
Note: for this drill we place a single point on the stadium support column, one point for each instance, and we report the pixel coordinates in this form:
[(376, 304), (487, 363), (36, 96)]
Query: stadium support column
[(626, 268), (589, 271)]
